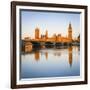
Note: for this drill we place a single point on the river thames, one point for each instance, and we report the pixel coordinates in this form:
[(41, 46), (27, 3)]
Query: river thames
[(50, 62)]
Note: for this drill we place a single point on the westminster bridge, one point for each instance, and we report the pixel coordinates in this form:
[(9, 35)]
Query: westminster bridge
[(28, 45)]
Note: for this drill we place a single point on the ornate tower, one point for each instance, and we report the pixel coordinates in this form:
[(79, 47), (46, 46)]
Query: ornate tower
[(46, 34), (37, 32), (70, 31)]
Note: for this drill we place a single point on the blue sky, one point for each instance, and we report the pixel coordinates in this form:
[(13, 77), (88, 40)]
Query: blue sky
[(51, 21)]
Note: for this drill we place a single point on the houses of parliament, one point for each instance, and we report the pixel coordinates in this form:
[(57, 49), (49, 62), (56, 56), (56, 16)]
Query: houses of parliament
[(54, 38)]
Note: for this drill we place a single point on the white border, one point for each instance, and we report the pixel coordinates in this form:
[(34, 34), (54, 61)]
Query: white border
[(54, 79)]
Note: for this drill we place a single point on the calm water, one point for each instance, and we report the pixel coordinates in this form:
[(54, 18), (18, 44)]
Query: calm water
[(51, 62)]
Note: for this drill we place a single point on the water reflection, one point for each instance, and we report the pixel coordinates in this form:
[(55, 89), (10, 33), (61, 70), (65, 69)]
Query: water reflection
[(46, 55), (56, 53), (37, 55), (63, 61), (45, 51), (70, 55)]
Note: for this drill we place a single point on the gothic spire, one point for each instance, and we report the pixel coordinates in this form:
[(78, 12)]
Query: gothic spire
[(70, 27)]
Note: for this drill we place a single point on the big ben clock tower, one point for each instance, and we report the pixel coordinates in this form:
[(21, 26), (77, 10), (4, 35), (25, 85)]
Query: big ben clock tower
[(70, 31)]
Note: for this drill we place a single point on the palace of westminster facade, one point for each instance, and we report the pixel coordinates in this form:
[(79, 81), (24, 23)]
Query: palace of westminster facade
[(56, 38)]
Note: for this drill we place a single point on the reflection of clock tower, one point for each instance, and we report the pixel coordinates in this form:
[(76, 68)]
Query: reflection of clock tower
[(70, 31), (70, 56)]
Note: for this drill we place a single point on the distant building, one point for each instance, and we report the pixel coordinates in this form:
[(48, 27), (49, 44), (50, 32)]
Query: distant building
[(56, 38), (37, 33), (46, 34), (70, 31), (43, 37), (59, 37)]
